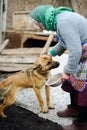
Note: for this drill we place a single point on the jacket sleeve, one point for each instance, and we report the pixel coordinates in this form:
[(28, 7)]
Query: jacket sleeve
[(58, 49)]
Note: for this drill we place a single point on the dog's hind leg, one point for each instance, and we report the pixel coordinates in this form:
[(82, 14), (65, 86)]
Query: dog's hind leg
[(47, 90), (39, 97), (7, 101)]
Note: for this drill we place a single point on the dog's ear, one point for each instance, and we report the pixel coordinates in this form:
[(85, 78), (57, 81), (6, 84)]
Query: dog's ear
[(38, 67)]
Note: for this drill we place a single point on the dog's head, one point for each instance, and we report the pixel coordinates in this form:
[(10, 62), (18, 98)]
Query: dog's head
[(44, 63)]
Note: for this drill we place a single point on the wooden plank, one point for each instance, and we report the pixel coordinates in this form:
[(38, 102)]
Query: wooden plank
[(13, 67), (37, 37), (17, 59), (5, 43), (23, 51), (48, 43), (21, 12), (17, 51)]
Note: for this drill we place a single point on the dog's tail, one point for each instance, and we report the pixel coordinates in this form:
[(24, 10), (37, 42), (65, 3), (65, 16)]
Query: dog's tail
[(4, 88)]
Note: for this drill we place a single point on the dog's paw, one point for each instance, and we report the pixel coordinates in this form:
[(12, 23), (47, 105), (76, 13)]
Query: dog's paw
[(51, 107), (3, 115), (44, 111)]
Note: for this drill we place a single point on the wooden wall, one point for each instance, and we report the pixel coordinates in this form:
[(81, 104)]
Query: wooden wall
[(27, 5)]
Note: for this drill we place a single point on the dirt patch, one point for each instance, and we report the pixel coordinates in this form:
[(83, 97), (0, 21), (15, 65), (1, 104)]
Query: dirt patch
[(22, 119)]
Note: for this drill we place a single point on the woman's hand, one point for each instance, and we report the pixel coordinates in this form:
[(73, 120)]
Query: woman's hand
[(49, 54), (65, 77)]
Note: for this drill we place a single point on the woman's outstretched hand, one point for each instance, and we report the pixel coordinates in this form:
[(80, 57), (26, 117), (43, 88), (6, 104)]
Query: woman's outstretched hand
[(65, 77)]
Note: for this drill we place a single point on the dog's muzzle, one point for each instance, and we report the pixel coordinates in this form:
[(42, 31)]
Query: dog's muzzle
[(55, 65)]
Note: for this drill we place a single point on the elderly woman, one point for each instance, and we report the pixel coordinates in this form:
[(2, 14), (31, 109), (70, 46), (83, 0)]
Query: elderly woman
[(71, 29)]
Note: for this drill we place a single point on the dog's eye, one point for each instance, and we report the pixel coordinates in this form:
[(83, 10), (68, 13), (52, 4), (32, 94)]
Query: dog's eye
[(48, 62)]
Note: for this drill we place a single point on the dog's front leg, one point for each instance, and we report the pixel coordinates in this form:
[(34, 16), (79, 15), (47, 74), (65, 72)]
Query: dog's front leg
[(39, 97), (47, 90)]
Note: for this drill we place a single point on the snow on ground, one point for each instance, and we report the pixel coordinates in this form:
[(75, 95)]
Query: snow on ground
[(27, 98)]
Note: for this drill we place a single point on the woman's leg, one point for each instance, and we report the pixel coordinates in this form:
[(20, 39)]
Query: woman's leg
[(72, 109), (81, 122), (82, 117)]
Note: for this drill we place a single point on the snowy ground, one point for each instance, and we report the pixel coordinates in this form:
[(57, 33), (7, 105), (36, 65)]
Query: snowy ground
[(59, 98)]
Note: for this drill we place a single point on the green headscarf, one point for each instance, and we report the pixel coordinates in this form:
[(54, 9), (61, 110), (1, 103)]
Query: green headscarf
[(46, 14), (39, 12)]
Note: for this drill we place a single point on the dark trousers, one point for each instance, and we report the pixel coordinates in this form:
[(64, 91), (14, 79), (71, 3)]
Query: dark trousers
[(77, 99)]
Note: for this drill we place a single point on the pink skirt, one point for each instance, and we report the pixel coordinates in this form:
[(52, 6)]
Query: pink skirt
[(79, 78)]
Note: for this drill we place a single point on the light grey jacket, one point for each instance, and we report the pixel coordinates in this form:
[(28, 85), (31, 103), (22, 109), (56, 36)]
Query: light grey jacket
[(72, 29)]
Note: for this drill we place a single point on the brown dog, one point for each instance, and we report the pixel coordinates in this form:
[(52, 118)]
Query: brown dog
[(33, 77)]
